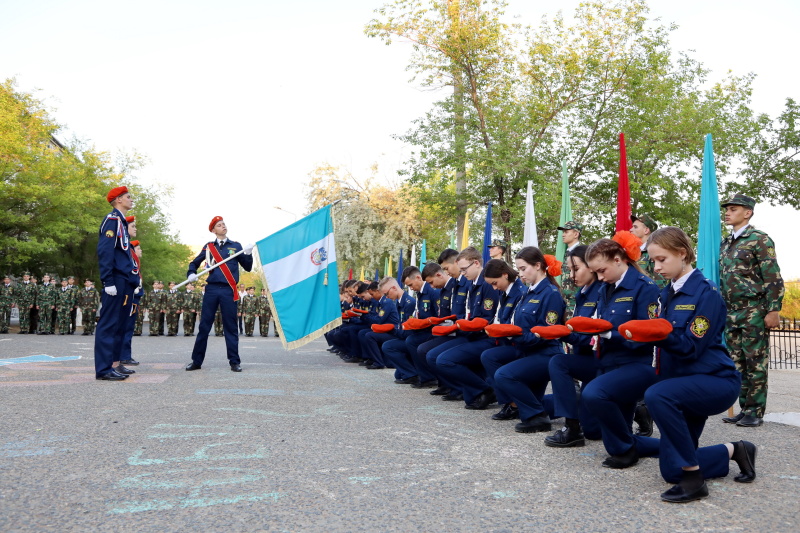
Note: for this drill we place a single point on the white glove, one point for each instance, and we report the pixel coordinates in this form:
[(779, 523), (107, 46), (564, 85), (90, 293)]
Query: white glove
[(192, 278), (111, 290), (249, 248), (136, 291)]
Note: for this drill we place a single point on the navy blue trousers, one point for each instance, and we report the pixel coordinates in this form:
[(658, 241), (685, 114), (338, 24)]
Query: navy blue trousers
[(217, 296), (127, 338), (563, 369), (524, 382), (352, 339), (611, 397), (461, 365), (680, 407), (433, 356), (372, 345), (426, 371), (396, 351), (115, 315), (494, 358)]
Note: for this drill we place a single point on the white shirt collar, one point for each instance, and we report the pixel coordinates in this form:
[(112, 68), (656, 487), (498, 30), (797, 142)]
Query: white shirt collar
[(620, 278), (573, 246), (678, 283), (738, 233), (533, 287)]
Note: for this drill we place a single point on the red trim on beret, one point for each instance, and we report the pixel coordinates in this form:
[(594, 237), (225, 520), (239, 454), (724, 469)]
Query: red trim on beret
[(214, 223), (116, 192)]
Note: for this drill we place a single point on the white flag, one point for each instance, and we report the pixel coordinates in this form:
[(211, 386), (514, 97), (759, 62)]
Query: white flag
[(530, 238)]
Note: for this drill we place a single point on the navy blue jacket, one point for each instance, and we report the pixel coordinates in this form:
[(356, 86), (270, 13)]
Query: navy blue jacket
[(483, 299), (542, 306), (508, 302), (458, 306), (697, 313), (636, 298), (114, 251), (586, 306), (216, 275), (383, 311), (446, 297), (426, 301)]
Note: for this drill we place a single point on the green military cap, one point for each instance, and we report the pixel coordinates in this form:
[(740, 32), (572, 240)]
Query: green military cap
[(70, 277), (571, 225), (498, 242), (26, 273), (88, 279), (647, 220), (740, 199)]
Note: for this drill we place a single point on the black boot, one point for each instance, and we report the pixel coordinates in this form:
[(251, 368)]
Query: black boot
[(692, 487), (568, 437), (744, 453), (643, 419)]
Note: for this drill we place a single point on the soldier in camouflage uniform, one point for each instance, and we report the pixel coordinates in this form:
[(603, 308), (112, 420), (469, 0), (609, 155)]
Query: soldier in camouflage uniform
[(643, 227), (571, 237), (24, 297), (751, 284), (88, 301), (174, 307), (249, 310), (264, 314), (140, 311), (192, 303), (65, 301), (73, 316), (218, 330), (157, 305), (34, 318), (6, 302), (45, 303)]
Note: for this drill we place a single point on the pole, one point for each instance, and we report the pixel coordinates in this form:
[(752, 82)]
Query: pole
[(209, 269)]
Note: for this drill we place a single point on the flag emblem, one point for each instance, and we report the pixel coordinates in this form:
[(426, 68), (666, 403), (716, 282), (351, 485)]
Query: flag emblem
[(319, 256)]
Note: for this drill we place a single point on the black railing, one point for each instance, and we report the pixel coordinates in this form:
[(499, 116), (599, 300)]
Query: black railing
[(784, 345)]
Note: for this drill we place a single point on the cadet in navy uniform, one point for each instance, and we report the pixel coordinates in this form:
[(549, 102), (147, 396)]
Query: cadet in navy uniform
[(385, 312), (120, 276), (220, 292), (625, 367), (696, 377), (579, 363), (524, 380), (374, 340)]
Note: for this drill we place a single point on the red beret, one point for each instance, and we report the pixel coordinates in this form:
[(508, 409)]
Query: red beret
[(416, 323), (115, 192), (653, 330), (503, 330), (130, 219), (382, 328), (213, 223), (551, 332), (134, 243), (443, 331), (476, 324), (359, 311), (582, 324), (436, 320)]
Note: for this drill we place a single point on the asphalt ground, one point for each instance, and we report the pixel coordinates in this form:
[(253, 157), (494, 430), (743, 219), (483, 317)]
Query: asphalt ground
[(301, 441)]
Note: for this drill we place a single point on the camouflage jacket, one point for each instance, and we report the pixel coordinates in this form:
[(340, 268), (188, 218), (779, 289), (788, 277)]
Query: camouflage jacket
[(248, 305), (65, 298), (46, 295), (6, 294), (192, 301), (568, 287), (749, 275), (174, 301), (156, 301), (25, 294), (89, 298), (648, 265), (263, 305)]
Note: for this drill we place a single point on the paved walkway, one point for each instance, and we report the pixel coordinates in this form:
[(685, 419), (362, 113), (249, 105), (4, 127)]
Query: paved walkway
[(301, 441)]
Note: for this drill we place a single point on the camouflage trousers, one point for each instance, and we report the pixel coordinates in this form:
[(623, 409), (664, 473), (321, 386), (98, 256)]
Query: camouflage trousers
[(189, 320), (24, 318), (156, 322), (45, 324), (88, 315), (249, 324), (218, 331), (172, 322), (5, 317), (63, 320), (748, 343), (263, 324), (137, 327)]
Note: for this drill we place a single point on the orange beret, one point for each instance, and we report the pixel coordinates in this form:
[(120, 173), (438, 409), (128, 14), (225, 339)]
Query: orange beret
[(351, 314), (382, 328), (551, 332), (359, 311), (653, 330), (130, 219), (443, 331), (134, 243), (115, 192), (476, 324), (436, 320), (214, 223), (416, 323), (503, 330), (582, 324)]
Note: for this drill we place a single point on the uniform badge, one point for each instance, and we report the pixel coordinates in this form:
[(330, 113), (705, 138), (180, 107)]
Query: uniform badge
[(552, 318), (652, 310), (771, 252), (488, 303), (699, 326), (381, 312), (231, 251), (109, 234)]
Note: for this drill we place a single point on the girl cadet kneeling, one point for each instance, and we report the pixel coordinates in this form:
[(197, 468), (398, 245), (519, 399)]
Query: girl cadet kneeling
[(696, 377), (625, 367), (524, 381)]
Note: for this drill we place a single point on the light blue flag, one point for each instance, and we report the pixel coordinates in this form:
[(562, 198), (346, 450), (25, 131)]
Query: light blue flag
[(399, 269), (299, 265), (487, 234), (423, 255), (709, 231)]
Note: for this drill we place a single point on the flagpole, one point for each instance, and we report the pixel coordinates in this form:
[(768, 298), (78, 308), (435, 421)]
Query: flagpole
[(209, 269)]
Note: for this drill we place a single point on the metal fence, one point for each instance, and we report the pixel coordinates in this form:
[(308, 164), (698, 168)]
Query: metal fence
[(784, 347)]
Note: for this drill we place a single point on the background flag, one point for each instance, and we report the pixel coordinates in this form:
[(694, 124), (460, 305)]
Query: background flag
[(487, 234), (566, 213), (413, 256), (361, 277), (377, 275), (389, 268), (465, 236), (400, 268), (453, 240), (623, 190), (423, 255), (709, 231), (299, 268), (350, 273), (529, 236)]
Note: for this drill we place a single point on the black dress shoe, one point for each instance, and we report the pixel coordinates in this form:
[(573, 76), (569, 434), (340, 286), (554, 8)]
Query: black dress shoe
[(425, 384), (626, 460), (484, 400), (111, 376), (733, 419), (453, 396), (744, 453), (122, 370), (508, 412), (375, 366), (352, 360), (534, 424), (236, 368), (365, 362), (643, 419), (192, 366), (441, 391), (566, 438), (750, 421), (678, 494), (129, 362), (407, 381)]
